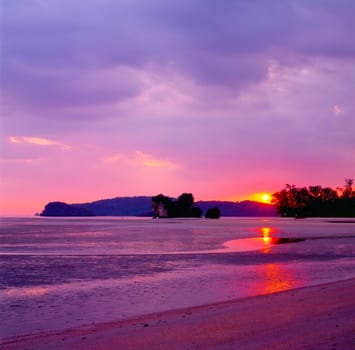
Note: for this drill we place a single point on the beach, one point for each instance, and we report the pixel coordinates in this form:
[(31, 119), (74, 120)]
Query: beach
[(315, 317), (137, 283)]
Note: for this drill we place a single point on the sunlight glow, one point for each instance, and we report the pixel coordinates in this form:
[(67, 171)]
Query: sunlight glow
[(266, 198), (262, 197)]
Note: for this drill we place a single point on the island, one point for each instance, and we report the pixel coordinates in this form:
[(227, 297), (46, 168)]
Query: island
[(64, 209), (142, 206)]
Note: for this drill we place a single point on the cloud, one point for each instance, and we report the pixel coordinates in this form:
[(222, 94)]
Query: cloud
[(150, 161), (142, 159), (228, 93), (38, 141), (338, 110), (114, 158), (41, 88), (60, 55)]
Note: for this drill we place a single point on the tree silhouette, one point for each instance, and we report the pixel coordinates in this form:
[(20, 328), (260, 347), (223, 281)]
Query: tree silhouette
[(213, 213), (348, 191), (315, 201)]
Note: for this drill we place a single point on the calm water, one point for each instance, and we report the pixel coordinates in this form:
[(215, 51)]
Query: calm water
[(59, 273)]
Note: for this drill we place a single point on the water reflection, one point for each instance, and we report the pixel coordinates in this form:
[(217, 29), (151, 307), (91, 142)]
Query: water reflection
[(265, 232), (28, 291), (276, 278), (263, 243), (272, 276)]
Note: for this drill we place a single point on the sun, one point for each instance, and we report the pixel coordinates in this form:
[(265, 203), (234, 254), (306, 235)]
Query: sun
[(261, 197), (266, 198)]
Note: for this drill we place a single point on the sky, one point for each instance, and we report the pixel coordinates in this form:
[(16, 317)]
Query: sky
[(223, 99)]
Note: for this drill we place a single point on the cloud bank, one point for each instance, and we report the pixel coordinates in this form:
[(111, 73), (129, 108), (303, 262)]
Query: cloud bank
[(242, 95)]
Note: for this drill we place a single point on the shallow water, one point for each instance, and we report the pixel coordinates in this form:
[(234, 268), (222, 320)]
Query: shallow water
[(59, 272)]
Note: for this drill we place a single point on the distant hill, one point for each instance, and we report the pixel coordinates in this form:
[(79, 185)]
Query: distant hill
[(141, 206), (120, 206), (244, 208), (64, 209)]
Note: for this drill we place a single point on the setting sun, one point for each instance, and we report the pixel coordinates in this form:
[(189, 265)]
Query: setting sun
[(266, 198), (262, 197)]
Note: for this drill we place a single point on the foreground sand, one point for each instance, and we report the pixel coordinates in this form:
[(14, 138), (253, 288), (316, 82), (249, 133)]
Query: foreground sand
[(317, 317)]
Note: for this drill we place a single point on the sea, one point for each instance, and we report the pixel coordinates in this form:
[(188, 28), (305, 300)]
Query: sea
[(58, 273)]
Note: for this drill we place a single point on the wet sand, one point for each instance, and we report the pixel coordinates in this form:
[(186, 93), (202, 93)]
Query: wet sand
[(316, 317)]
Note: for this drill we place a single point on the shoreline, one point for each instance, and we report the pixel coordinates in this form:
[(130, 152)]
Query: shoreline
[(319, 316)]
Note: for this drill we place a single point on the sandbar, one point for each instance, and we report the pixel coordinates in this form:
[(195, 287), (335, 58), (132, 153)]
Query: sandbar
[(314, 317)]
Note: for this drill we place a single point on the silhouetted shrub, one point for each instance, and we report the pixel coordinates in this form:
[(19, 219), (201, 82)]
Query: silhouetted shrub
[(213, 213)]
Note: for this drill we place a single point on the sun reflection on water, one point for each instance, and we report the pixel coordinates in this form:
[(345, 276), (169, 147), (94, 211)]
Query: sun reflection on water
[(265, 233), (277, 278), (263, 243), (273, 276)]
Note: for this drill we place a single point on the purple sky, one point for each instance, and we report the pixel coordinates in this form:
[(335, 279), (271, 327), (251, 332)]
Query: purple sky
[(224, 99)]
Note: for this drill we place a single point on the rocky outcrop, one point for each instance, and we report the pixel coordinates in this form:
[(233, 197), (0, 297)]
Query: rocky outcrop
[(64, 209), (183, 207), (161, 206)]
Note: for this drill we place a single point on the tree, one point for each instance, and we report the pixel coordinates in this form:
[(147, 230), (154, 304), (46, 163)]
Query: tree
[(315, 201), (328, 194), (285, 200), (315, 191), (348, 190)]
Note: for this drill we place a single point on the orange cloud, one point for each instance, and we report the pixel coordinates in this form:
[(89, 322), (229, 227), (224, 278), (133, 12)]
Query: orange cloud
[(39, 141), (141, 158), (149, 160), (114, 158)]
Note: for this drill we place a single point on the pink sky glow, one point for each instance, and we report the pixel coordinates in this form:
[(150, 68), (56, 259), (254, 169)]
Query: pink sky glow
[(227, 100)]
